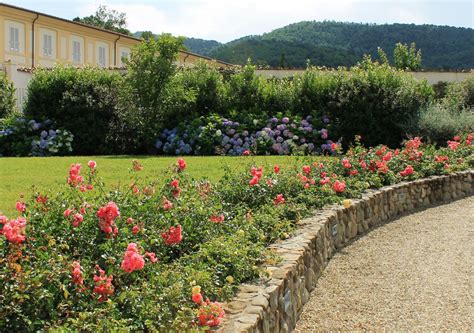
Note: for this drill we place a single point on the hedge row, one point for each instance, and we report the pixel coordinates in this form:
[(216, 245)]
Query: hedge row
[(109, 112)]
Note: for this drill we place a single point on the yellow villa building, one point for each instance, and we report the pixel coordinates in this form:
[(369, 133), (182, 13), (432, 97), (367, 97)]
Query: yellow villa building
[(33, 39), (30, 39)]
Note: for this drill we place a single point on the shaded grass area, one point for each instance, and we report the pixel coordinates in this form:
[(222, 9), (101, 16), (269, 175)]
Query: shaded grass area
[(19, 175)]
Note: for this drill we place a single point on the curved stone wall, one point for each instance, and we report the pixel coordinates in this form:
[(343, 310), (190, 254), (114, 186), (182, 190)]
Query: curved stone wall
[(275, 304)]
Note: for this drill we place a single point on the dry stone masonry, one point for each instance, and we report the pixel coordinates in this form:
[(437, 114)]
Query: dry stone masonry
[(274, 305)]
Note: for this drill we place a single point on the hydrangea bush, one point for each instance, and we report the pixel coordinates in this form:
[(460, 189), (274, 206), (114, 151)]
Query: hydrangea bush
[(160, 255), (23, 137), (222, 136)]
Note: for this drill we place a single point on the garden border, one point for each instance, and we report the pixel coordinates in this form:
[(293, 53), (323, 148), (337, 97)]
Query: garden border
[(274, 305)]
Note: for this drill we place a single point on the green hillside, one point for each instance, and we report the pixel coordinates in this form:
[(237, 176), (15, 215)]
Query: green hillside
[(343, 44), (201, 46)]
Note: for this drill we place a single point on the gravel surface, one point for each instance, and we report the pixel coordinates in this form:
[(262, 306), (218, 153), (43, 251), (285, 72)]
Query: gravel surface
[(412, 274)]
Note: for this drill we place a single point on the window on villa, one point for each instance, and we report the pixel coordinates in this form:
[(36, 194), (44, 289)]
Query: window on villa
[(102, 56), (14, 39), (47, 45), (125, 56), (76, 51)]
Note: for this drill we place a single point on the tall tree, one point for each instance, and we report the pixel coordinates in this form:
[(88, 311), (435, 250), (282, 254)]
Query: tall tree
[(407, 58), (108, 19), (146, 35)]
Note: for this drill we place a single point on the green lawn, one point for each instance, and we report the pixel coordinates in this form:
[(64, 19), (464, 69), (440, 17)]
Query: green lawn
[(17, 175)]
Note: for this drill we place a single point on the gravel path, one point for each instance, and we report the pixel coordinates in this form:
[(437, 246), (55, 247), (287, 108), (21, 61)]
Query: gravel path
[(415, 273)]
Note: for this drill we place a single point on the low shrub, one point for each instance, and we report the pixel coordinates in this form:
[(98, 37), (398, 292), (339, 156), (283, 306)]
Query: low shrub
[(82, 101), (157, 256), (23, 137), (440, 121), (7, 96), (460, 94), (454, 113)]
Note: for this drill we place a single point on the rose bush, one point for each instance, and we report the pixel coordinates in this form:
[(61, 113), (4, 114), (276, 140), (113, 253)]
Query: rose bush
[(161, 255)]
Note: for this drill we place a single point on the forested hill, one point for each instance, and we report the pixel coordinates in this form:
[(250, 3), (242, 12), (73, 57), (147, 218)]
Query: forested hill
[(201, 46), (343, 44)]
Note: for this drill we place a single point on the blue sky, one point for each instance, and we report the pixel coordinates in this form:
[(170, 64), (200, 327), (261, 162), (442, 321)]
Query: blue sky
[(225, 20)]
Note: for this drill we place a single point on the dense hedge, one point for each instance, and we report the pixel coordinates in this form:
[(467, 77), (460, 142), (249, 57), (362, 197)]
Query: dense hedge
[(108, 113), (146, 256), (82, 101), (7, 96)]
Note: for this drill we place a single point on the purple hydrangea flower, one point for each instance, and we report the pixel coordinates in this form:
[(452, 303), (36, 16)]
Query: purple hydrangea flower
[(324, 134), (285, 120)]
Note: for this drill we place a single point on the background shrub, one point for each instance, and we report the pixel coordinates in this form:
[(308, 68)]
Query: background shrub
[(7, 96), (370, 99), (440, 122), (445, 118), (154, 95), (460, 94), (83, 101), (206, 86)]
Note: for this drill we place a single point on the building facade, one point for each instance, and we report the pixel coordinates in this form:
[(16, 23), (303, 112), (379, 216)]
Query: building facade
[(32, 39)]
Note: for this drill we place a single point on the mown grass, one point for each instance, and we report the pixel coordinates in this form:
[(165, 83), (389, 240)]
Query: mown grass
[(19, 175)]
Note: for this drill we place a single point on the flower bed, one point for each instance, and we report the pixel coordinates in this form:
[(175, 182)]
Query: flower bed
[(22, 137), (217, 135), (149, 256)]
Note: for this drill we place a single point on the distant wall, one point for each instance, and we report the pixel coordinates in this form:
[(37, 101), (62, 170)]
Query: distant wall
[(20, 81), (431, 77), (435, 77)]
